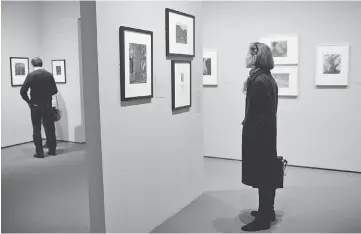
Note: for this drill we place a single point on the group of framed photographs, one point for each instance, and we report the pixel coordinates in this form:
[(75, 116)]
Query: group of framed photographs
[(332, 64), (285, 55), (136, 67), (136, 59), (19, 69)]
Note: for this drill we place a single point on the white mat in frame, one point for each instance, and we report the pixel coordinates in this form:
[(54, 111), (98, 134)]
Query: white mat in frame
[(287, 80), (181, 84), (284, 48), (59, 70), (332, 64)]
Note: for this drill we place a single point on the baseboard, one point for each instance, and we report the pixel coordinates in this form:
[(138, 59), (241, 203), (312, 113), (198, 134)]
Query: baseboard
[(325, 169), (74, 142), (290, 165), (27, 142), (229, 159), (23, 143)]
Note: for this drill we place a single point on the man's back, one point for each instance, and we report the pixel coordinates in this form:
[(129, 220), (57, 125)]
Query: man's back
[(42, 86)]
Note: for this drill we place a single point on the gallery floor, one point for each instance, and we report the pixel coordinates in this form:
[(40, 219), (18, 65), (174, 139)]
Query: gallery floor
[(51, 196)]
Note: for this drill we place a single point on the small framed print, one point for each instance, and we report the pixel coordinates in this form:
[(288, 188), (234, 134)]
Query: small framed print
[(284, 48), (181, 84), (287, 80), (59, 71), (136, 63), (332, 65), (210, 67), (19, 69), (180, 33)]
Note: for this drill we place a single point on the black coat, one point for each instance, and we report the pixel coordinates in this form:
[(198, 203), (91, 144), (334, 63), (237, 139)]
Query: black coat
[(259, 136)]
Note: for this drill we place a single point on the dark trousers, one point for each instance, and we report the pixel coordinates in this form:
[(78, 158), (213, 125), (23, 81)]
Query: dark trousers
[(43, 113), (46, 134), (266, 201)]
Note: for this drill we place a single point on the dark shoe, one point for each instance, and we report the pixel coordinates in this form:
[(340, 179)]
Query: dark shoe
[(52, 152), (272, 218), (38, 155), (256, 225)]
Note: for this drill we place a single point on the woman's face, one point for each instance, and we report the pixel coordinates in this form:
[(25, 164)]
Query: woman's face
[(249, 60)]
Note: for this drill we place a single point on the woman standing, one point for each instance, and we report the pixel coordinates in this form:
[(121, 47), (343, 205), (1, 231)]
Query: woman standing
[(259, 150)]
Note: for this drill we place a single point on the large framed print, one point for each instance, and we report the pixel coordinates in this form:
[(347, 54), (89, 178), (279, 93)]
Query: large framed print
[(180, 33), (181, 84), (332, 65), (287, 80), (136, 63), (59, 71), (284, 48), (210, 67), (19, 69)]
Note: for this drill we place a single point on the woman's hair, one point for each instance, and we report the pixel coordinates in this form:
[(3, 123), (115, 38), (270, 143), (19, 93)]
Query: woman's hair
[(264, 58)]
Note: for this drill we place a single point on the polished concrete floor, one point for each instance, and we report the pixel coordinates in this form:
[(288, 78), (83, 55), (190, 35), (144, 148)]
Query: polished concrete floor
[(44, 195), (312, 201), (51, 196)]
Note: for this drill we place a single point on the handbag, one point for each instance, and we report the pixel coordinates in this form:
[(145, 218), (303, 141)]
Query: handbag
[(56, 113), (281, 168)]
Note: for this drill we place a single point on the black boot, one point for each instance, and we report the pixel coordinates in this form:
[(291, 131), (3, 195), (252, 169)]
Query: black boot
[(271, 217), (257, 225), (264, 215)]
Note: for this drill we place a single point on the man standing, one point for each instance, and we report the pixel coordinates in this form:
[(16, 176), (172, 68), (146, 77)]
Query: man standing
[(42, 88)]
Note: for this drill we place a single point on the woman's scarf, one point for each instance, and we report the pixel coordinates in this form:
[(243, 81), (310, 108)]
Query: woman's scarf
[(252, 72)]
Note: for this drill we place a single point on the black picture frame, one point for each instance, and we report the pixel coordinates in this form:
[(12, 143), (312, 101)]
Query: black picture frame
[(11, 70), (122, 30), (52, 69), (167, 39), (174, 62)]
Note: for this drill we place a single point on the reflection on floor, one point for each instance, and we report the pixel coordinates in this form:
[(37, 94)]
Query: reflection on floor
[(44, 195), (50, 195)]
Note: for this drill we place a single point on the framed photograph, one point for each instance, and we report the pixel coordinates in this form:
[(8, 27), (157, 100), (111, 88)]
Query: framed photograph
[(181, 84), (59, 71), (136, 63), (210, 67), (287, 80), (332, 65), (284, 48), (180, 33), (19, 69)]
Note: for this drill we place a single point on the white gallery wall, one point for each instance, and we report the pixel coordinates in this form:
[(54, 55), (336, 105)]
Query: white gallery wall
[(48, 30), (19, 38), (152, 159), (319, 128), (59, 40)]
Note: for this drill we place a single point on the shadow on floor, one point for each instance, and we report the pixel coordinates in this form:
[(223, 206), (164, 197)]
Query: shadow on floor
[(233, 225), (62, 148)]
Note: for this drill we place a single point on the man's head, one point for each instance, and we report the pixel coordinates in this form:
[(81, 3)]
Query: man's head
[(37, 62)]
